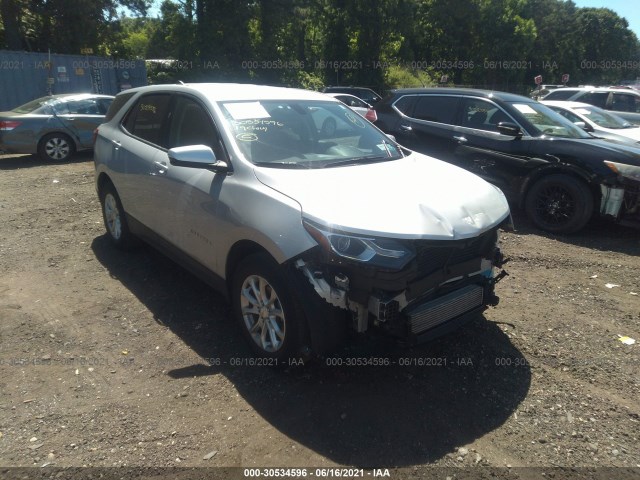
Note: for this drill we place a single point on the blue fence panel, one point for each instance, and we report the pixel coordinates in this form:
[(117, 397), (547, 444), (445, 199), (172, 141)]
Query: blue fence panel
[(25, 76)]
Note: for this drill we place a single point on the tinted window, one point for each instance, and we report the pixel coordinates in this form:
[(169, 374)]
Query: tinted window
[(599, 99), (405, 104), (117, 104), (436, 108), (624, 102), (560, 95), (146, 118), (192, 125)]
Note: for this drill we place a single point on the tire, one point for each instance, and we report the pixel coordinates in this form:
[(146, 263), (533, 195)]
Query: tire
[(115, 220), (56, 147), (559, 204), (265, 309), (328, 127)]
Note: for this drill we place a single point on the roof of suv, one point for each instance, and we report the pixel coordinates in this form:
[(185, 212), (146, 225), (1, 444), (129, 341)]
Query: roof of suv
[(472, 92), (600, 89), (236, 91)]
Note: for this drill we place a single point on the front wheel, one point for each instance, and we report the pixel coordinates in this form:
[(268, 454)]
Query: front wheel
[(264, 308), (559, 204)]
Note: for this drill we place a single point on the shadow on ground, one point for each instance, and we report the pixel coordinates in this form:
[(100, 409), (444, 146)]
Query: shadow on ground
[(16, 162), (598, 234), (422, 405)]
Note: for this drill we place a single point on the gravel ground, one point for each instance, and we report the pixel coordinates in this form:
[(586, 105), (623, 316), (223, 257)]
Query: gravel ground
[(125, 359)]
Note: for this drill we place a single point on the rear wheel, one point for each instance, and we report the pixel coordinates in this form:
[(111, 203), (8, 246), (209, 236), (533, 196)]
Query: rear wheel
[(559, 204), (56, 147), (115, 220), (265, 309)]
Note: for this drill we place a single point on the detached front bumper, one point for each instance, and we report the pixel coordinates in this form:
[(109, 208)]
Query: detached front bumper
[(447, 284)]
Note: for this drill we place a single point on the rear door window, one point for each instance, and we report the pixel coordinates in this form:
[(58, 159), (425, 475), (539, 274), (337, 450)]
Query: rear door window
[(560, 94), (436, 108), (146, 119)]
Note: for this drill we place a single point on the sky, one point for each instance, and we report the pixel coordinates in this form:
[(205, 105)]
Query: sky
[(624, 8)]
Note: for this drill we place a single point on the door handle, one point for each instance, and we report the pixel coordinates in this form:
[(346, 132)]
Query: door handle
[(406, 128), (116, 144), (460, 139), (162, 167)]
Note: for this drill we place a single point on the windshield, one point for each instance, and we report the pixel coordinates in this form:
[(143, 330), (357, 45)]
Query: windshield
[(602, 118), (547, 122), (305, 134)]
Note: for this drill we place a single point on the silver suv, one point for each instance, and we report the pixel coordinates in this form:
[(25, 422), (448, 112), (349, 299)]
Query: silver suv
[(308, 232)]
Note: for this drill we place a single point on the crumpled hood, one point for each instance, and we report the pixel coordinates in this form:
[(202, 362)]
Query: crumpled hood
[(414, 197)]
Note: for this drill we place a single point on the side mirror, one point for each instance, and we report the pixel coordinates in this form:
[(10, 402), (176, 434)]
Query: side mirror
[(511, 129), (196, 156)]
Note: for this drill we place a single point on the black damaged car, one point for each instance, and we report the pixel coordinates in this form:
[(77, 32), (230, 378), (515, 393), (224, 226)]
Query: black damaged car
[(561, 175)]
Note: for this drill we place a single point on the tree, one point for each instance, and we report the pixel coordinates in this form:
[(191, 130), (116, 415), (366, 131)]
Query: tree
[(11, 12)]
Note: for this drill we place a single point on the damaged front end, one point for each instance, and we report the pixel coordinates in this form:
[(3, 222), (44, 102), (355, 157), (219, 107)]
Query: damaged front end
[(414, 290), (620, 198)]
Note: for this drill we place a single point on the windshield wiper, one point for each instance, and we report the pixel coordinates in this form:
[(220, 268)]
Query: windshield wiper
[(358, 161), (282, 165)]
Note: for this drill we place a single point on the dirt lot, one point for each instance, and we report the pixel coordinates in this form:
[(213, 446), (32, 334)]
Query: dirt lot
[(124, 359)]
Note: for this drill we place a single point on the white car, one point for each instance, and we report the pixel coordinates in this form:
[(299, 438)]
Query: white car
[(597, 121), (356, 104), (308, 235)]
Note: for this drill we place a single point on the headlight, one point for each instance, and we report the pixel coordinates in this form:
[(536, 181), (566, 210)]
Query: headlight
[(624, 170), (380, 252)]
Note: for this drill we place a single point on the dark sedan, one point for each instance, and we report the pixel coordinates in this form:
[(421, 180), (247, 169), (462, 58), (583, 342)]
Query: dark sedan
[(557, 172), (54, 127)]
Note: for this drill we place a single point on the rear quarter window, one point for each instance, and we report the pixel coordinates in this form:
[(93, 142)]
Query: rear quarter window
[(599, 99), (117, 104), (405, 104)]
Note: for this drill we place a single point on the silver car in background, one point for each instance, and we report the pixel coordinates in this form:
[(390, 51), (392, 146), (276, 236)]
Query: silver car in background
[(308, 234), (54, 127)]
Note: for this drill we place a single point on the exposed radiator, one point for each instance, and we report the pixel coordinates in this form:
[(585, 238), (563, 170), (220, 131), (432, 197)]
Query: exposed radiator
[(433, 313)]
